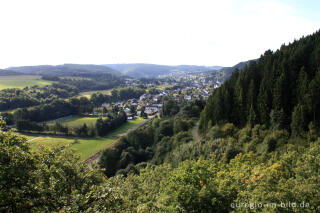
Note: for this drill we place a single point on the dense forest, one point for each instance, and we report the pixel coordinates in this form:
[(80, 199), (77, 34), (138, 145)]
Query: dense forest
[(280, 88), (87, 82), (27, 97)]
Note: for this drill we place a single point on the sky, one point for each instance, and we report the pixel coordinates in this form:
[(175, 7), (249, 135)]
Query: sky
[(171, 32)]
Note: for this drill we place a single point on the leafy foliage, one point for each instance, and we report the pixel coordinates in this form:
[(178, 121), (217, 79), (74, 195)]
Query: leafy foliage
[(50, 180)]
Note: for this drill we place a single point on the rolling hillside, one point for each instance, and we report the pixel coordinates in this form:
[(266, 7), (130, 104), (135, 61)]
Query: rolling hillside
[(8, 72), (141, 70), (65, 69), (225, 72)]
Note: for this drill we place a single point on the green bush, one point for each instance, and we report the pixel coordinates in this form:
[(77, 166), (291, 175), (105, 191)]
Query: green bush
[(214, 132), (244, 135), (229, 129)]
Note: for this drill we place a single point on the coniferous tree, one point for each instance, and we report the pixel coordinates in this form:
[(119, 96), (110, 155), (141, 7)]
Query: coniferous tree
[(273, 85), (298, 123), (313, 97)]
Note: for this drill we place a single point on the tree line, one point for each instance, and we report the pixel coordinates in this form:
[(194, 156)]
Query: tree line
[(57, 107), (32, 96), (101, 128)]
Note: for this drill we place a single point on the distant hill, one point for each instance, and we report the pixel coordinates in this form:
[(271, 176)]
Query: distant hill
[(225, 72), (138, 70), (65, 69), (8, 72), (141, 70)]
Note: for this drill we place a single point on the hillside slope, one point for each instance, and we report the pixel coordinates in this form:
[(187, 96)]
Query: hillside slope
[(65, 69), (141, 70), (282, 87), (8, 72)]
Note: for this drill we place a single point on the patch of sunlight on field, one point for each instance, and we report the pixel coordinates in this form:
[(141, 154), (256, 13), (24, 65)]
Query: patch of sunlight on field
[(87, 147), (75, 120), (22, 81), (84, 147), (125, 127), (89, 93), (50, 142)]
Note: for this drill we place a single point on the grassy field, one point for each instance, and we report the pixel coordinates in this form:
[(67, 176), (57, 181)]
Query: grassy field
[(21, 81), (82, 147), (74, 78), (89, 93), (75, 120), (125, 127), (164, 86), (85, 147)]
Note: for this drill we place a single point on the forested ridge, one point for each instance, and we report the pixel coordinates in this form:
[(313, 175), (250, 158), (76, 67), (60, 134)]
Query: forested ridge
[(282, 86)]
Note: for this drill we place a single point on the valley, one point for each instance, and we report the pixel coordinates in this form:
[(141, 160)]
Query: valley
[(58, 112), (84, 147), (93, 138)]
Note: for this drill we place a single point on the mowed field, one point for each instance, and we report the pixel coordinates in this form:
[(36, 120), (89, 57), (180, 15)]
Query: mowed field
[(22, 81), (82, 146), (125, 127), (85, 147), (89, 93), (75, 120)]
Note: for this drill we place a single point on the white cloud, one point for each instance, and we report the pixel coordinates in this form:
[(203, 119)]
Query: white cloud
[(151, 31)]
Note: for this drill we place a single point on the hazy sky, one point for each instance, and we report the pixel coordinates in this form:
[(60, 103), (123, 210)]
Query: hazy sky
[(201, 32)]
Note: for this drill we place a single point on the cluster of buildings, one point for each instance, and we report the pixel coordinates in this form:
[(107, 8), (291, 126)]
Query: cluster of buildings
[(148, 104), (182, 88)]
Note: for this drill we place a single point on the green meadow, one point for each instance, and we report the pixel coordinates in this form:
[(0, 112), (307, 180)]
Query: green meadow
[(75, 120), (22, 81), (125, 127), (84, 147), (89, 93)]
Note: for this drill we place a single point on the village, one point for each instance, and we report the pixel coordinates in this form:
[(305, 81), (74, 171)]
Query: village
[(182, 88)]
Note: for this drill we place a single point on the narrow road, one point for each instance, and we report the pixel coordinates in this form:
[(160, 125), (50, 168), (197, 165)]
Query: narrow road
[(195, 132), (95, 157), (134, 128)]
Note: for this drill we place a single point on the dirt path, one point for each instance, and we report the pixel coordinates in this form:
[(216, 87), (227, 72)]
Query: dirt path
[(34, 138), (133, 128), (195, 132)]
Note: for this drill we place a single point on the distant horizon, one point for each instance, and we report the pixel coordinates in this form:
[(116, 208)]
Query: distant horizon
[(202, 33), (106, 64)]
